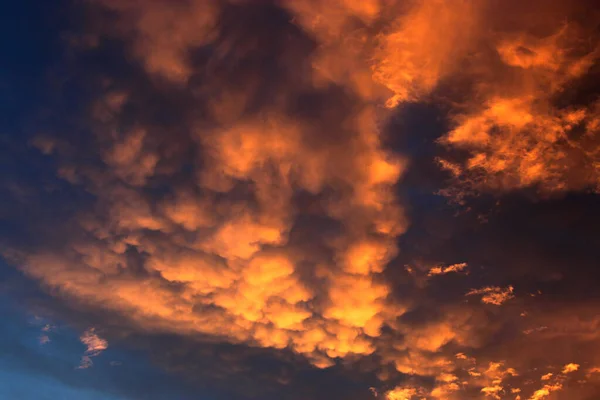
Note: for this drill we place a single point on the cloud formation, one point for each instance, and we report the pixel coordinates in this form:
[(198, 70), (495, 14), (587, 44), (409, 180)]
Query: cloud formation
[(519, 131), (95, 345), (493, 294), (218, 252), (441, 270), (240, 187)]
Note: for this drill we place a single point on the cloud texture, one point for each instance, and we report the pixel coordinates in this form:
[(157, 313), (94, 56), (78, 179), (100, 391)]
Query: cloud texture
[(242, 187)]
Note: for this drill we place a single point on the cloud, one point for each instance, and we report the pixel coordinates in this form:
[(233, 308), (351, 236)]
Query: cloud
[(95, 345), (571, 367), (547, 376), (401, 394), (43, 339), (545, 391), (413, 56), (163, 33), (214, 253), (493, 295), (441, 270), (241, 186)]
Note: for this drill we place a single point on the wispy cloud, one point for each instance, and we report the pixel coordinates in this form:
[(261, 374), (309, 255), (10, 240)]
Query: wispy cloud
[(95, 345), (493, 294)]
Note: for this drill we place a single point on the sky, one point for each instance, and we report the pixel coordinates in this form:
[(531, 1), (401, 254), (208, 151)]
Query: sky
[(300, 200)]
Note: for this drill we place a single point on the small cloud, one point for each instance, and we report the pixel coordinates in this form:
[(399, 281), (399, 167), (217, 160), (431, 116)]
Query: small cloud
[(439, 270), (444, 377), (44, 338), (492, 391), (547, 377), (594, 370), (546, 391), (115, 363), (538, 329), (493, 294), (571, 367), (86, 362), (95, 345), (401, 393), (44, 144)]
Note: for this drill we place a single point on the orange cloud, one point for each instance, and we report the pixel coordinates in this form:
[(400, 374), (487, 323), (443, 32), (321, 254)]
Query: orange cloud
[(515, 133), (401, 393), (212, 240), (493, 294), (413, 55), (547, 377), (545, 391), (441, 270), (218, 251), (571, 367), (376, 48)]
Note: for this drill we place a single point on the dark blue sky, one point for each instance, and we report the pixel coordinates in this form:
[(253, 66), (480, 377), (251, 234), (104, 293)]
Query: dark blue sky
[(36, 368)]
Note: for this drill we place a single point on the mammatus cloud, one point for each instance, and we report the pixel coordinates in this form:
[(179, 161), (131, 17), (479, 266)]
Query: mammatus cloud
[(224, 264), (244, 190)]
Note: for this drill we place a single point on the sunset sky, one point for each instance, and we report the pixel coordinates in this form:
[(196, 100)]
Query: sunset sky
[(300, 199)]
